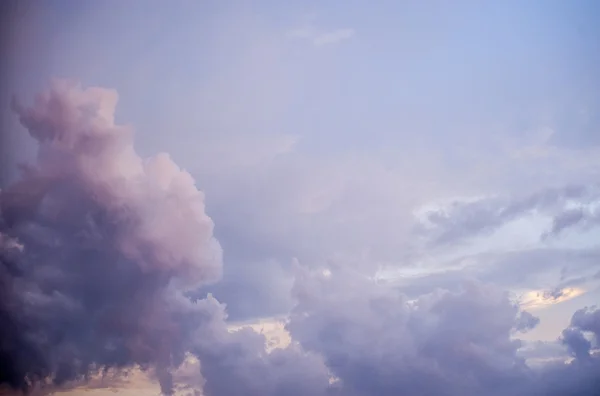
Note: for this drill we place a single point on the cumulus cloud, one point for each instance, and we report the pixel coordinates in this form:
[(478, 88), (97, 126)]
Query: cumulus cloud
[(102, 253), (584, 320), (105, 235), (98, 246), (376, 341)]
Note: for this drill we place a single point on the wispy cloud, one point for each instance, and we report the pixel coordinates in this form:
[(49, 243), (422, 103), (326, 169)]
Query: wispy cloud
[(320, 37)]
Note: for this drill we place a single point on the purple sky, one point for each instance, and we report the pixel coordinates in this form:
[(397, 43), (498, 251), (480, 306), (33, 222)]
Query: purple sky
[(411, 186)]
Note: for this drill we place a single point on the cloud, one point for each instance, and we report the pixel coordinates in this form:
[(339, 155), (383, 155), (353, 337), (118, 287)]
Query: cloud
[(110, 244), (361, 214), (321, 38), (460, 220), (541, 298), (105, 237), (376, 341), (539, 353), (528, 272), (313, 200), (584, 320), (235, 127), (100, 252), (281, 153), (446, 343), (582, 218)]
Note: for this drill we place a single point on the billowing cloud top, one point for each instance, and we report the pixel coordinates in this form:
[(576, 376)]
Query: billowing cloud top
[(104, 235)]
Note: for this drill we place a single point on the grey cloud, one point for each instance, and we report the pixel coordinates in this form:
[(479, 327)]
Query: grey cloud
[(577, 343), (566, 219), (376, 341), (97, 248), (584, 320), (578, 280), (462, 221), (239, 365), (445, 343), (526, 321), (588, 319), (105, 236), (573, 218)]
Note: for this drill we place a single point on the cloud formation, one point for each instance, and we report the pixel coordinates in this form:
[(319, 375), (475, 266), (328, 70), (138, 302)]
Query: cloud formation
[(105, 236), (460, 220), (98, 247), (100, 251)]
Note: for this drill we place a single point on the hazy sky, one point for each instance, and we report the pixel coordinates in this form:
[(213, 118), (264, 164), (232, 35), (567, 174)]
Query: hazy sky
[(422, 143)]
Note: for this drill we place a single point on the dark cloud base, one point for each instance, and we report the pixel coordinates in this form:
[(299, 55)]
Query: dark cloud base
[(99, 250)]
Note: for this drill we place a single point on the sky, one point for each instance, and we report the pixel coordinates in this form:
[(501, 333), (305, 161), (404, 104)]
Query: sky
[(363, 177)]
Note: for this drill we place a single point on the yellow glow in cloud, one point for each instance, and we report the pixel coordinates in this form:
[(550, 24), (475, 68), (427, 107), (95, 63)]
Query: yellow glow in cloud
[(538, 299), (273, 330), (139, 383)]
